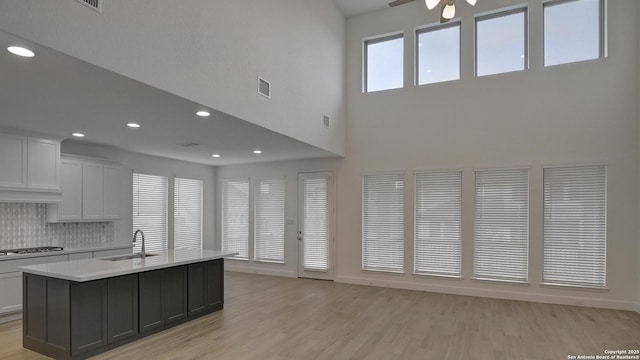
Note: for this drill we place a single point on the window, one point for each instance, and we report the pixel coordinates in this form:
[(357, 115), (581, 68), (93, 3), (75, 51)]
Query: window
[(150, 211), (383, 222), (502, 225), (438, 54), (384, 63), (501, 42), (187, 214), (572, 31), (575, 225), (438, 219), (269, 220), (235, 217), (315, 208)]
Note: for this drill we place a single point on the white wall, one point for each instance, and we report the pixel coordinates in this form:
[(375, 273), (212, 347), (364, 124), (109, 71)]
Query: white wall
[(290, 170), (582, 112), (135, 162), (211, 52)]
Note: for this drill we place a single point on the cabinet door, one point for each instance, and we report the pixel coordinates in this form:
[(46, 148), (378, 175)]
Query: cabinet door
[(175, 295), (151, 300), (197, 288), (88, 316), (71, 186), (112, 192), (44, 164), (215, 284), (10, 292), (13, 161), (92, 191), (123, 307)]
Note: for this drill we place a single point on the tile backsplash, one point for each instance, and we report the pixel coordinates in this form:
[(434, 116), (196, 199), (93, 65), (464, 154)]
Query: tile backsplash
[(25, 225)]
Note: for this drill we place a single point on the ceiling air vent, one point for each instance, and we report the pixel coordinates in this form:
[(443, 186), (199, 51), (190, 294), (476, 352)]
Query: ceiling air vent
[(190, 144), (264, 87), (95, 5)]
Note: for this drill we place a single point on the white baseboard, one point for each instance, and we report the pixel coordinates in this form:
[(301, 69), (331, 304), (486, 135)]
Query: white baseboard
[(260, 270), (638, 308), (10, 317), (490, 293)]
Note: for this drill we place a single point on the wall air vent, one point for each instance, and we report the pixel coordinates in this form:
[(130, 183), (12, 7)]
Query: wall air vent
[(264, 87), (95, 5), (189, 144)]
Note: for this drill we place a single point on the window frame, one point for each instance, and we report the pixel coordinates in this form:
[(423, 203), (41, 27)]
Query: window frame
[(570, 284), (602, 30), (175, 197), (365, 58), (223, 196), (402, 270), (431, 28), (460, 173), (499, 279), (167, 196), (494, 15)]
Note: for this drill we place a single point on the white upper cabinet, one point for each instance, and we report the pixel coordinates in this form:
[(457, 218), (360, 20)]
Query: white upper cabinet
[(44, 164), (112, 184), (29, 167), (91, 191), (70, 208), (13, 161)]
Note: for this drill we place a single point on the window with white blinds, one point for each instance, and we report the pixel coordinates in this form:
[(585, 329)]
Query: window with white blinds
[(501, 245), (235, 217), (150, 211), (269, 220), (187, 214), (438, 221), (575, 225), (383, 222), (316, 223)]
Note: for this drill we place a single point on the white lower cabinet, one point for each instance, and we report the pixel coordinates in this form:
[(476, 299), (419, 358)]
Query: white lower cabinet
[(11, 281), (10, 292)]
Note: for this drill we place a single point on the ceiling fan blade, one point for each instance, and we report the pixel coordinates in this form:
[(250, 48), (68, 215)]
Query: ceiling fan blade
[(400, 2), (442, 18)]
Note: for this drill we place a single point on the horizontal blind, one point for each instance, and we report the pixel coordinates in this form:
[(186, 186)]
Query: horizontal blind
[(187, 214), (150, 211), (438, 221), (575, 225), (383, 222), (316, 223), (269, 220), (502, 225), (235, 217)]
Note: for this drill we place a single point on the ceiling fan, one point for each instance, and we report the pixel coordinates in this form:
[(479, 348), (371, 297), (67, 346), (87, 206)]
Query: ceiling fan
[(448, 9)]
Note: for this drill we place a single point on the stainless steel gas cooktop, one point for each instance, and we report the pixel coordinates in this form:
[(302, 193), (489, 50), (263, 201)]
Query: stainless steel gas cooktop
[(32, 250)]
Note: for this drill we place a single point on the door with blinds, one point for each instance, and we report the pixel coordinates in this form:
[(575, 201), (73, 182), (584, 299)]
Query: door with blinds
[(315, 231)]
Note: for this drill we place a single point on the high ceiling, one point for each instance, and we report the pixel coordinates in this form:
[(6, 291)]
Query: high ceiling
[(357, 7), (57, 94)]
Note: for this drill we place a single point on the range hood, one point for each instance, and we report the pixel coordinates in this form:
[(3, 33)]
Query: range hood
[(30, 196)]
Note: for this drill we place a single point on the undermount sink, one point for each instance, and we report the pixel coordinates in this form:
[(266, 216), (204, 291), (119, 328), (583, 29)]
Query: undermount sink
[(125, 257)]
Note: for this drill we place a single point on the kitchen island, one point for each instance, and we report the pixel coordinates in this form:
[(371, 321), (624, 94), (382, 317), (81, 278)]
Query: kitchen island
[(77, 309)]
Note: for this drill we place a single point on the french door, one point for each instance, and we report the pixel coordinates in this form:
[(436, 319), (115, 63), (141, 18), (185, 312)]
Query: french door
[(315, 225)]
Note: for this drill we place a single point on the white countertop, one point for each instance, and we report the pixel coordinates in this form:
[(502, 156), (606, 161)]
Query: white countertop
[(66, 251), (95, 269)]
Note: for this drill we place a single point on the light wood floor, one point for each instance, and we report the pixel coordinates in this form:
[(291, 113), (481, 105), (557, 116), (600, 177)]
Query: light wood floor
[(279, 318)]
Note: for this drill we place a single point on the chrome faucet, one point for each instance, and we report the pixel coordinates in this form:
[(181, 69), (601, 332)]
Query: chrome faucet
[(142, 253)]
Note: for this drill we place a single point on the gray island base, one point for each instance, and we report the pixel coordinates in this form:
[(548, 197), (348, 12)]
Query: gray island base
[(78, 309)]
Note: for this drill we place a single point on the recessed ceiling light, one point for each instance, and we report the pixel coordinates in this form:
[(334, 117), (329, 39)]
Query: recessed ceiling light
[(257, 151), (215, 155), (133, 125), (77, 134), (20, 51), (203, 113)]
